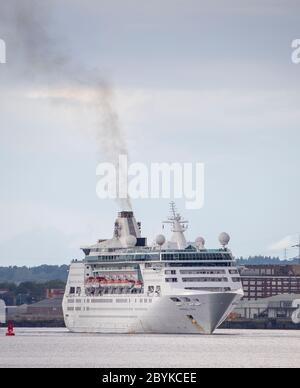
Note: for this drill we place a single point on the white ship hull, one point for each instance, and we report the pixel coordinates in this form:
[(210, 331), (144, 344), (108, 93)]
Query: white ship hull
[(203, 313), (125, 286)]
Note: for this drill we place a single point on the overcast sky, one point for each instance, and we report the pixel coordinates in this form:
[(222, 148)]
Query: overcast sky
[(207, 81)]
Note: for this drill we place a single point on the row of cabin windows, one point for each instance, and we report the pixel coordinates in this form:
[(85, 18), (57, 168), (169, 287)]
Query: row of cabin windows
[(219, 264), (196, 256), (165, 256), (125, 257), (196, 272), (205, 279), (175, 280), (212, 289), (203, 272), (145, 300), (151, 289)]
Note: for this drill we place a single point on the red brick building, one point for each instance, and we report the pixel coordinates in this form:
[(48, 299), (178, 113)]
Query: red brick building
[(264, 281), (55, 293)]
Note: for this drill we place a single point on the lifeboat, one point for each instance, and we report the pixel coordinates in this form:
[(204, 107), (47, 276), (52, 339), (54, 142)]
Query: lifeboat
[(138, 284), (113, 282)]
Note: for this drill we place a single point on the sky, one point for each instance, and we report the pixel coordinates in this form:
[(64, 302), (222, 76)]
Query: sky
[(190, 81)]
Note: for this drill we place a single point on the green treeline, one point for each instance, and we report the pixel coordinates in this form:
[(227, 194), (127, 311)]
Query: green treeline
[(27, 292), (40, 274)]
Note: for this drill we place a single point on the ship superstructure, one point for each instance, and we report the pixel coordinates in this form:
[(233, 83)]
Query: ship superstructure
[(125, 286)]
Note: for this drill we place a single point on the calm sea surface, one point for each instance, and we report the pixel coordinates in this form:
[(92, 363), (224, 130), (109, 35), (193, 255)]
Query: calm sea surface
[(227, 348)]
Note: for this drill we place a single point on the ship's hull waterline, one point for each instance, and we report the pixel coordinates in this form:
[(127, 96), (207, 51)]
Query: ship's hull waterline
[(201, 314)]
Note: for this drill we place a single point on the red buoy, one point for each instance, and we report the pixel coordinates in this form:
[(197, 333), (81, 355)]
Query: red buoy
[(10, 329)]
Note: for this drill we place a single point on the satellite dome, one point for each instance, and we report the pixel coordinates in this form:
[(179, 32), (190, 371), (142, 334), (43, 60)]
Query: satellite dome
[(200, 242), (160, 240), (224, 239), (131, 241)]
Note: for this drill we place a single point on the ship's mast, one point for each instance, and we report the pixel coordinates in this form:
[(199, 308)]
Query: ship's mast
[(179, 226)]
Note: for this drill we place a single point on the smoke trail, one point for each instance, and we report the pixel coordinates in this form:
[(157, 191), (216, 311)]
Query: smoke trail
[(42, 59), (110, 137)]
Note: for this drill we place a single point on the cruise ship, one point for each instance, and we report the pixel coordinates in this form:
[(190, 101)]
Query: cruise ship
[(124, 285)]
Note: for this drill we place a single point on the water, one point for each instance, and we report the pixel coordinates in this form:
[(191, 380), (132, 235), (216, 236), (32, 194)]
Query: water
[(227, 348)]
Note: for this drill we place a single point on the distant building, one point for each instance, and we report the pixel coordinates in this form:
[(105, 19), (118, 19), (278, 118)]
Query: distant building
[(264, 281), (55, 293), (279, 307), (16, 313), (2, 311), (47, 309), (8, 297), (272, 298)]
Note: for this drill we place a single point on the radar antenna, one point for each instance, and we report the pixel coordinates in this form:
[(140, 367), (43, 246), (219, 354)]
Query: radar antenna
[(178, 224), (178, 227), (173, 209)]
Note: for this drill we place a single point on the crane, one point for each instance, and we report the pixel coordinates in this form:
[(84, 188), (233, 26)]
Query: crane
[(297, 246)]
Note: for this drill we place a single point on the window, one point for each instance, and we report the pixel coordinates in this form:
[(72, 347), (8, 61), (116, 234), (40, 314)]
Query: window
[(171, 280), (72, 290), (236, 280), (196, 256), (101, 300), (212, 289), (190, 264), (170, 272), (204, 279), (203, 272)]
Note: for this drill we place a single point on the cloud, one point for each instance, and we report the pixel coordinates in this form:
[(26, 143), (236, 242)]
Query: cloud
[(224, 109), (285, 243)]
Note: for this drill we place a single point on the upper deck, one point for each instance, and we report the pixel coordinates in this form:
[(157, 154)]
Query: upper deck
[(148, 254), (127, 245)]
